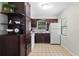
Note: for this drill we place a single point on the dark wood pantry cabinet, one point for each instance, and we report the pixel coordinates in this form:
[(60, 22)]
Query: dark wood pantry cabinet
[(17, 44)]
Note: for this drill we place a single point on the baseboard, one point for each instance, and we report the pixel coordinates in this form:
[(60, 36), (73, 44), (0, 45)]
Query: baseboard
[(54, 44), (69, 51)]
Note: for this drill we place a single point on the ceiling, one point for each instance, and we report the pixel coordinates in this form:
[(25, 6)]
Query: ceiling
[(55, 9)]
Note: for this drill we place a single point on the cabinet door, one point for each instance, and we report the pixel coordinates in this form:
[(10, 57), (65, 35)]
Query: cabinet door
[(12, 45), (2, 46), (39, 38), (42, 38), (52, 21), (20, 7), (22, 45), (9, 45), (47, 37), (33, 22)]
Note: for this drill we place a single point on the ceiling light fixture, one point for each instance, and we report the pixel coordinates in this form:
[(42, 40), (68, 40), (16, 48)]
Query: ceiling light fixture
[(45, 5)]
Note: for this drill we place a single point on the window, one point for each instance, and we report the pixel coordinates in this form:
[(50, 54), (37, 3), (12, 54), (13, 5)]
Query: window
[(41, 25)]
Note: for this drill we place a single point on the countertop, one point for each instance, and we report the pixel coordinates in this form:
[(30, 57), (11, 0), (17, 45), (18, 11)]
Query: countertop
[(40, 32)]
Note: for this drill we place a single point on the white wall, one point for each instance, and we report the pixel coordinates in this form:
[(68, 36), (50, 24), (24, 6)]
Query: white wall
[(71, 41)]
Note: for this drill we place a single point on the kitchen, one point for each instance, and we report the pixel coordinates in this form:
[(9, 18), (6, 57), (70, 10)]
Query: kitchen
[(37, 28), (26, 30), (50, 31)]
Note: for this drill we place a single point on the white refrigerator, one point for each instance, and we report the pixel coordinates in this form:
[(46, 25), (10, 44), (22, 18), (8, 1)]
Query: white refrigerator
[(55, 33)]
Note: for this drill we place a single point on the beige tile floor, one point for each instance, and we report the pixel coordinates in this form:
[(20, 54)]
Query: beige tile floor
[(49, 50)]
